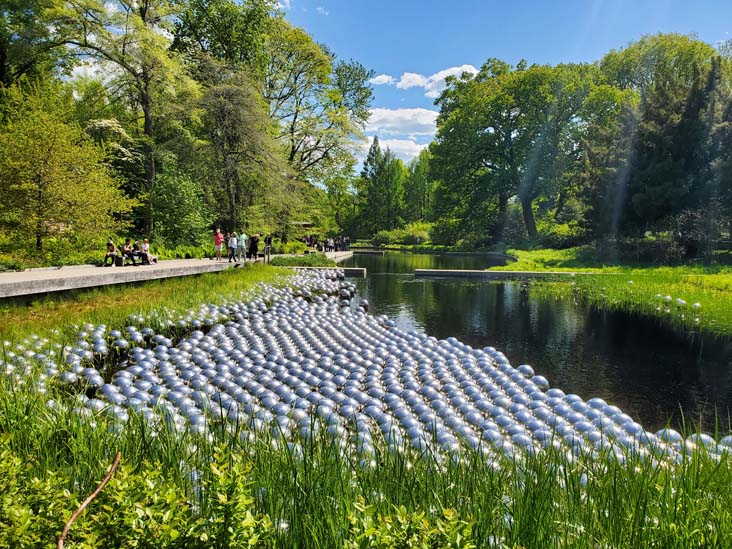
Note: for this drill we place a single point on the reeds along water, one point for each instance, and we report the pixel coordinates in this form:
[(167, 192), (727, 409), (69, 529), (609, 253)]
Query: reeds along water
[(310, 477)]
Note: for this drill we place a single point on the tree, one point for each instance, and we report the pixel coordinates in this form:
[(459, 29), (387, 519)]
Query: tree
[(418, 189), (659, 58), (234, 33), (53, 179), (504, 133), (28, 46), (132, 37), (381, 190), (320, 107), (244, 155)]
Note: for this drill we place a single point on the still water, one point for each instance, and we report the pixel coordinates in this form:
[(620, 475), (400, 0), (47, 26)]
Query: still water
[(654, 374)]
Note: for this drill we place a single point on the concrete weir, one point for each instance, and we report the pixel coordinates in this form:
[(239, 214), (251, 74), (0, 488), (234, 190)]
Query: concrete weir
[(368, 252), (490, 275)]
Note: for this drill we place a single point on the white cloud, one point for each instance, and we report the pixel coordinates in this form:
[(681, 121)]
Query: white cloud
[(382, 79), (433, 85), (322, 11), (406, 149), (411, 80), (415, 121), (284, 4)]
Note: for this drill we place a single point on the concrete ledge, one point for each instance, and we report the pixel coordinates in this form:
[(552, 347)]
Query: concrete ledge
[(58, 280), (491, 275), (368, 252), (339, 256)]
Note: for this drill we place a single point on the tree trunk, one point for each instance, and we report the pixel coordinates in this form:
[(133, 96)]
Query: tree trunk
[(147, 148), (528, 215)]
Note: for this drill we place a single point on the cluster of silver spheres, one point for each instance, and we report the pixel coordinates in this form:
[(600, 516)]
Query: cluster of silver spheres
[(299, 359)]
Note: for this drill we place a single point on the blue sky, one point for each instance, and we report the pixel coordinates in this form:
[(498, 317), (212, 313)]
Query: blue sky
[(412, 44)]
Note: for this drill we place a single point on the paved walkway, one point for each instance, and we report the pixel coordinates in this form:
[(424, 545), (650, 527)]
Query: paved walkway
[(73, 277)]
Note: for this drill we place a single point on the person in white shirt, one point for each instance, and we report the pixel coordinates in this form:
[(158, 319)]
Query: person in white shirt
[(232, 247)]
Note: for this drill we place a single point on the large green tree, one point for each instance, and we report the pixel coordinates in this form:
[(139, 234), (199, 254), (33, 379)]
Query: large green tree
[(507, 132), (54, 182), (132, 39), (28, 44), (419, 189), (320, 105)]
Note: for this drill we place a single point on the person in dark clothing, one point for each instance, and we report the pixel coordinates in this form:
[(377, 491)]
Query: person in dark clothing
[(254, 247), (268, 248), (128, 251), (111, 253)]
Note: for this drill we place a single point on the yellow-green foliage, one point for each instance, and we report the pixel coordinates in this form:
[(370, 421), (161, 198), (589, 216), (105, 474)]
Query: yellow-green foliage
[(310, 260), (54, 182), (402, 528), (140, 507)]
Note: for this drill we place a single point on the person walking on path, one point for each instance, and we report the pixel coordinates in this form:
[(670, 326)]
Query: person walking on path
[(254, 247), (232, 244), (242, 246), (218, 244), (268, 248)]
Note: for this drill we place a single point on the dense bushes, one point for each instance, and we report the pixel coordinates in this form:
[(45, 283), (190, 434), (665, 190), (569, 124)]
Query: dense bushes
[(412, 234), (289, 247)]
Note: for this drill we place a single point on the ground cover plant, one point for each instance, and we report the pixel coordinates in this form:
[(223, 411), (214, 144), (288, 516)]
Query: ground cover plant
[(228, 490)]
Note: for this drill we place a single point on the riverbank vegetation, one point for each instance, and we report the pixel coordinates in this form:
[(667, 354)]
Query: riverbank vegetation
[(309, 260), (62, 314), (229, 488), (693, 298)]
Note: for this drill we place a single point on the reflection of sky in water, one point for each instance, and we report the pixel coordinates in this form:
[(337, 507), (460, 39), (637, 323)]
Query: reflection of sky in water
[(632, 362)]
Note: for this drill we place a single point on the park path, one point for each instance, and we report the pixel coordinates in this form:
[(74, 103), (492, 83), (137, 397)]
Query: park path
[(73, 277)]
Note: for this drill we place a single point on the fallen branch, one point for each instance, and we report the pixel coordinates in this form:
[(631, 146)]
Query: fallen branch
[(88, 500)]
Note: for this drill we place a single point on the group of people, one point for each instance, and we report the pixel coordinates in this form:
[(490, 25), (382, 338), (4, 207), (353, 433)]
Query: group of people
[(330, 244), (133, 251), (240, 246)]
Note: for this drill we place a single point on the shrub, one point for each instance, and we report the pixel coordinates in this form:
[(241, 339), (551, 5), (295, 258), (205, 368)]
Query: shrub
[(695, 232), (289, 247), (140, 507), (446, 231), (413, 234)]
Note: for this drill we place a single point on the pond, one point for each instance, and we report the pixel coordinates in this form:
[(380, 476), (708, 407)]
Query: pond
[(655, 374)]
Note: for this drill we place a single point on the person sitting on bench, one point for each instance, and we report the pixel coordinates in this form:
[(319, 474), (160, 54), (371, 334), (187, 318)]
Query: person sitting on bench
[(128, 251), (111, 253), (146, 252), (137, 251)]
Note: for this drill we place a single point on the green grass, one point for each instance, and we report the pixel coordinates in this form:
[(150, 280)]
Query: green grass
[(322, 497), (637, 289), (310, 260), (232, 490), (112, 305)]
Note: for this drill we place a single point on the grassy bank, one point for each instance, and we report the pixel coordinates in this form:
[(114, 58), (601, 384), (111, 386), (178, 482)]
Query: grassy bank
[(112, 305), (236, 488), (229, 489), (689, 297), (310, 260)]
